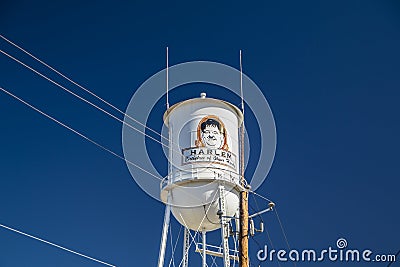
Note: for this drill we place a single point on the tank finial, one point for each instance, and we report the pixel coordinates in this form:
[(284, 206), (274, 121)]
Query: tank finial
[(203, 95)]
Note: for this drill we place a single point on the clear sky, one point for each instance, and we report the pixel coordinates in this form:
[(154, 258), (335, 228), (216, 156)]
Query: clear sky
[(329, 69)]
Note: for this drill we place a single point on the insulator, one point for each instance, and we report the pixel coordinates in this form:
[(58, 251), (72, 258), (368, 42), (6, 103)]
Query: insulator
[(231, 233), (252, 230)]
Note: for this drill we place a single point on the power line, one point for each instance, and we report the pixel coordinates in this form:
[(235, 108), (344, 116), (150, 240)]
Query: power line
[(55, 245), (85, 100), (270, 241), (283, 231), (266, 228), (260, 196), (76, 132), (104, 111), (170, 145), (80, 86)]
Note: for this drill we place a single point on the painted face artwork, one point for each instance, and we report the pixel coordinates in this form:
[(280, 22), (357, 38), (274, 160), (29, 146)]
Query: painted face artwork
[(211, 135)]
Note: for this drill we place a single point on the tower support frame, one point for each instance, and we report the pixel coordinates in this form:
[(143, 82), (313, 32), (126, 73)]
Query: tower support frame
[(224, 225)]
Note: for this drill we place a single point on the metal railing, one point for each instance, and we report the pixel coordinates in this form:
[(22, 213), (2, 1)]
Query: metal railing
[(200, 174)]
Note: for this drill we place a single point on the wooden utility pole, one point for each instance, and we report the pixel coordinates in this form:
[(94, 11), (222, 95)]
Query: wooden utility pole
[(244, 213)]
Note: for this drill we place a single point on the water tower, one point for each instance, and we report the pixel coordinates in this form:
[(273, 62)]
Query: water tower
[(204, 185)]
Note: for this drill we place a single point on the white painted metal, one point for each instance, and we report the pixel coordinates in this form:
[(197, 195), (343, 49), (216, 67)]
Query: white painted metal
[(251, 227), (194, 177), (164, 236), (218, 254), (204, 249), (224, 226), (203, 183), (183, 119), (237, 225), (186, 245), (194, 215), (260, 212)]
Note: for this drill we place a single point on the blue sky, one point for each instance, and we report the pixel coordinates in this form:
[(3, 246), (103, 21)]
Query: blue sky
[(329, 69)]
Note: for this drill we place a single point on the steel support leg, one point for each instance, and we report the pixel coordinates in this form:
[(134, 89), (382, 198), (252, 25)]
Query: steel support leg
[(186, 244), (224, 225), (204, 249), (164, 236)]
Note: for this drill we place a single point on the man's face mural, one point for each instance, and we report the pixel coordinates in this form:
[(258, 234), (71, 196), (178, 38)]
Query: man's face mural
[(211, 134)]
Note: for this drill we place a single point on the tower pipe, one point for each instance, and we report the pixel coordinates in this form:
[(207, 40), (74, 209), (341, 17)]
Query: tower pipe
[(164, 235)]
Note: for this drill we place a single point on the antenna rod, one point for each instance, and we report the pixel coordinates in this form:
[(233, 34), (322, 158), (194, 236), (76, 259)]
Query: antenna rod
[(241, 80), (244, 195), (167, 80)]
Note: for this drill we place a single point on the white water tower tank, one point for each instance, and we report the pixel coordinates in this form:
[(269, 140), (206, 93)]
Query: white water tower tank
[(204, 154)]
